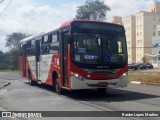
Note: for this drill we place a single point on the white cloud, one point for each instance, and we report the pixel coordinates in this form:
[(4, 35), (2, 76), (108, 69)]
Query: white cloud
[(36, 19), (126, 7), (30, 18), (24, 16)]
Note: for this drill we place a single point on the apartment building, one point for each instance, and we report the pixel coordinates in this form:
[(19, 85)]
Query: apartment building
[(130, 28), (140, 28), (116, 19)]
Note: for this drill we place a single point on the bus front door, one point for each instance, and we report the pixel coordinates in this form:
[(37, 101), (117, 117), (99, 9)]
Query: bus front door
[(37, 59), (63, 55)]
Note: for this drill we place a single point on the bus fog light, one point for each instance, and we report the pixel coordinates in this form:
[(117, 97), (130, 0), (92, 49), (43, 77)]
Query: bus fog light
[(124, 74)]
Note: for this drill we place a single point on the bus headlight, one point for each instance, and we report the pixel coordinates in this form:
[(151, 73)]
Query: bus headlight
[(125, 74), (77, 76), (88, 76)]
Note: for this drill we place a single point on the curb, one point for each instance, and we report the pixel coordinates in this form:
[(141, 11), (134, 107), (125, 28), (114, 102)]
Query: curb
[(136, 82), (6, 84)]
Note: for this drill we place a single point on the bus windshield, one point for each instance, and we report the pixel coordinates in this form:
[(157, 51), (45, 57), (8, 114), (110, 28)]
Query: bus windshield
[(96, 48)]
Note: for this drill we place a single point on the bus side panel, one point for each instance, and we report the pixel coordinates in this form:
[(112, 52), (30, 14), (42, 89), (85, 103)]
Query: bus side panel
[(31, 66), (45, 64), (54, 67)]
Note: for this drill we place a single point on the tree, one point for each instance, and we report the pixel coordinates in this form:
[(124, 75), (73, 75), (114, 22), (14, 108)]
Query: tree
[(1, 56), (92, 10), (3, 65), (12, 42), (144, 59)]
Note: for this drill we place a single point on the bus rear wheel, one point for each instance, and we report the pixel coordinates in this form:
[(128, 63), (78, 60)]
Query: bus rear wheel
[(31, 82)]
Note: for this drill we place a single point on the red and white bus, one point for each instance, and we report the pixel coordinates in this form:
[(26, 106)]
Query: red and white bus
[(78, 55)]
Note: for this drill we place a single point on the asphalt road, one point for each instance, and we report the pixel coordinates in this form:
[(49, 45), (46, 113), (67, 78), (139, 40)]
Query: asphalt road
[(20, 96)]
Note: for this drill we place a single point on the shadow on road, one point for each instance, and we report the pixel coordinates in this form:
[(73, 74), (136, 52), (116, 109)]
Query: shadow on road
[(111, 95)]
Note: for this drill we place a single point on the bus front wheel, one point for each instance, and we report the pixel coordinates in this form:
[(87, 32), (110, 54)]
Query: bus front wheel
[(57, 86)]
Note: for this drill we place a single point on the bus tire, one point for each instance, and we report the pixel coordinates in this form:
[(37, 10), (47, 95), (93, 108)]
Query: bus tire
[(101, 90), (31, 82), (57, 87)]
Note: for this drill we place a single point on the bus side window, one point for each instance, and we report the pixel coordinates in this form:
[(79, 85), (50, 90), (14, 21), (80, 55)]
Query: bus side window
[(45, 49), (54, 48), (45, 45), (30, 48), (20, 49), (54, 45), (54, 37)]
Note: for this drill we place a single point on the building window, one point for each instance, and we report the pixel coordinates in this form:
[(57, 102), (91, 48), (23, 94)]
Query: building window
[(140, 18), (137, 19), (129, 42), (158, 33), (140, 33), (154, 19), (154, 26), (154, 33)]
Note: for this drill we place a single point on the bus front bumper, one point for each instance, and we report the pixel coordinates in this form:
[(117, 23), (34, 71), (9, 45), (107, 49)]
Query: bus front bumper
[(77, 84)]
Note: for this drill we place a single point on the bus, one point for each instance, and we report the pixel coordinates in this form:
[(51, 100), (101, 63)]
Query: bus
[(78, 55)]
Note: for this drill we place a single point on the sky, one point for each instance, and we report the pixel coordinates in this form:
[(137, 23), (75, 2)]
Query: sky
[(34, 16)]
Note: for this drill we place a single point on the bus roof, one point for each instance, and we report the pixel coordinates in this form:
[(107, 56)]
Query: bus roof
[(68, 23), (30, 37), (65, 24)]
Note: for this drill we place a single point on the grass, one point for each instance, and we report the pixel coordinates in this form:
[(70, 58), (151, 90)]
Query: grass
[(147, 76)]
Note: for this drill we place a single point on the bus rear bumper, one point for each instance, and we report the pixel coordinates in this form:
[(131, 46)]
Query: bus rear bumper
[(77, 84)]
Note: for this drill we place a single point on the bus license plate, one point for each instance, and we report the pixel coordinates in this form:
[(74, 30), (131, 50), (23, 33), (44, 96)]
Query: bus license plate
[(103, 84)]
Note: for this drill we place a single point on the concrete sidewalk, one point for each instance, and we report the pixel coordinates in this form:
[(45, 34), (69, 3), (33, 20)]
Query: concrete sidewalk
[(4, 83)]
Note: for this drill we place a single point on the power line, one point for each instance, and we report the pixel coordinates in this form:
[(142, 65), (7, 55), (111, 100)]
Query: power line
[(1, 1), (6, 7)]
